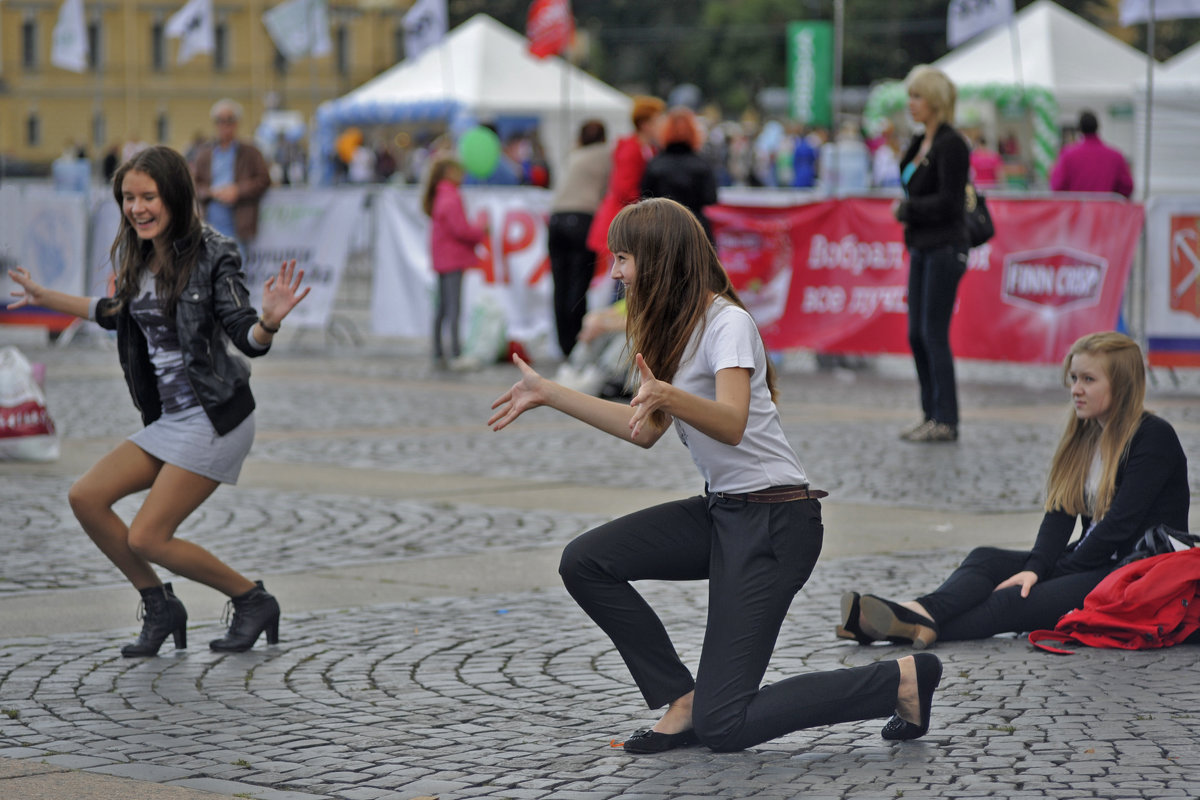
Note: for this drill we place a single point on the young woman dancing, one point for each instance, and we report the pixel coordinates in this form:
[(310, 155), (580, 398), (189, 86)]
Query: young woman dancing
[(1118, 469), (180, 300), (755, 533)]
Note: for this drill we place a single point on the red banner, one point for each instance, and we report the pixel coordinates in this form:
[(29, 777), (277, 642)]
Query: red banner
[(832, 275), (549, 27)]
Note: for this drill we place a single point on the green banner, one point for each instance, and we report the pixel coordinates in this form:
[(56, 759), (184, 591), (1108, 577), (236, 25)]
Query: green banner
[(810, 72)]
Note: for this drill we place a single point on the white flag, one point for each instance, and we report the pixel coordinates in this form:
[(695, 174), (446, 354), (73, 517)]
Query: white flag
[(1135, 11), (70, 48), (300, 28), (424, 26), (192, 25), (968, 18)]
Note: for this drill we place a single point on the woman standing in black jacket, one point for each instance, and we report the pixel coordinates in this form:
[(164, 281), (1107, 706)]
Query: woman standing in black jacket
[(180, 300), (679, 172), (1119, 469), (934, 173)]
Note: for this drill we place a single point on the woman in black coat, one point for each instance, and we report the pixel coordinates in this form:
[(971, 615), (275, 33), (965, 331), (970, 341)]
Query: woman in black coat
[(679, 172), (934, 174)]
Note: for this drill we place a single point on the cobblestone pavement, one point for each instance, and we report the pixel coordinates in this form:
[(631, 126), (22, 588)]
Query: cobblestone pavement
[(517, 694)]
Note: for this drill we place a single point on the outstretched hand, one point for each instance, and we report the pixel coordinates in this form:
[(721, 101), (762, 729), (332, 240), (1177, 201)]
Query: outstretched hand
[(279, 293), (32, 291), (529, 392), (651, 396)]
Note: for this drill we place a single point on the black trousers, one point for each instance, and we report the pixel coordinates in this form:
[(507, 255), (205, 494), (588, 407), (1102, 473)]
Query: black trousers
[(756, 556), (933, 277), (966, 606), (572, 266)]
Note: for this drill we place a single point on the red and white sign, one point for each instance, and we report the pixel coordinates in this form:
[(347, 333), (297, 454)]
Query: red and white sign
[(832, 275), (1173, 281)]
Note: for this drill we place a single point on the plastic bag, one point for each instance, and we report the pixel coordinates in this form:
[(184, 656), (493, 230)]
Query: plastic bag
[(26, 431)]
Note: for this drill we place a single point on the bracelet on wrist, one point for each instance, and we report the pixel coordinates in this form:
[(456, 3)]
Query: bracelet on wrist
[(262, 324)]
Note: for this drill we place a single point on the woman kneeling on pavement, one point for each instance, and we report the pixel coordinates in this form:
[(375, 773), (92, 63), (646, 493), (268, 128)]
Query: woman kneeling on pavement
[(755, 533), (180, 301), (1119, 469)]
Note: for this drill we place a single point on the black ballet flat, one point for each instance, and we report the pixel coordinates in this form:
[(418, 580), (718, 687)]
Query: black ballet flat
[(883, 619), (649, 741), (850, 629), (929, 675)]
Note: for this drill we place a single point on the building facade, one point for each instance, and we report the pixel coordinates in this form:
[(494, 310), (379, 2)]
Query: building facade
[(134, 90)]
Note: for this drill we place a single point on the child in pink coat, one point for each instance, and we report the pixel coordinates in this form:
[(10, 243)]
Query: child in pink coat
[(452, 247)]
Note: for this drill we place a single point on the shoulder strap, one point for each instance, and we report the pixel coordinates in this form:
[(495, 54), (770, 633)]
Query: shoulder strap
[(1037, 639)]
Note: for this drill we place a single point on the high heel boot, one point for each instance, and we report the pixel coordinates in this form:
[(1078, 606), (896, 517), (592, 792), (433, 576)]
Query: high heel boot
[(253, 613), (162, 614)]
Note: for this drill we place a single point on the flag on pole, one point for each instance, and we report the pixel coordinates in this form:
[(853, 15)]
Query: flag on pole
[(549, 27), (70, 48), (1135, 11), (300, 28), (968, 18), (192, 25), (425, 25)]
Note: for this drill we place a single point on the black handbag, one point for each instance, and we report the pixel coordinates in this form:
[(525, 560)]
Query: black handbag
[(979, 219), (1159, 540)]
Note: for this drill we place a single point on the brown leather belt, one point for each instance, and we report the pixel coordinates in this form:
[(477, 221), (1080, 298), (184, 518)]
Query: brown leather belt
[(776, 494)]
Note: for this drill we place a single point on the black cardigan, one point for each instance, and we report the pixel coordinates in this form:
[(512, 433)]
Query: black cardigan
[(1152, 488), (932, 211)]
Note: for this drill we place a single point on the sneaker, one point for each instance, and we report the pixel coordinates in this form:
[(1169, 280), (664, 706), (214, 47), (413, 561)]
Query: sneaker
[(914, 430), (935, 432)]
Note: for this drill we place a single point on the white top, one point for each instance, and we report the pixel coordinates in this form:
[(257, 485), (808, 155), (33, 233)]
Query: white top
[(763, 458)]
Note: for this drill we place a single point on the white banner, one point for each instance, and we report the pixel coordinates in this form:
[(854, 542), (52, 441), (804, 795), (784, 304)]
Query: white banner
[(425, 25), (1135, 11), (968, 18), (46, 232), (192, 25), (1173, 280), (299, 28), (312, 226), (69, 49), (514, 267)]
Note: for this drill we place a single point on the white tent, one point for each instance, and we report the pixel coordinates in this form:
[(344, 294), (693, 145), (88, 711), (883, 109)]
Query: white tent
[(481, 71), (1174, 121), (1083, 66)]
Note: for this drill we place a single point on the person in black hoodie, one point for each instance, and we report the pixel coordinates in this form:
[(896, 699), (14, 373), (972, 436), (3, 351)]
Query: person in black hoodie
[(934, 173), (679, 172)]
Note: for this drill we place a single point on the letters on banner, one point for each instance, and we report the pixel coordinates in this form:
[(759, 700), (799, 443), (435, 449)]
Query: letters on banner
[(832, 276), (1173, 281)]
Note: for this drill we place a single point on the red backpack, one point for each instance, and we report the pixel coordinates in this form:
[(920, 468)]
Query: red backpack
[(1153, 602)]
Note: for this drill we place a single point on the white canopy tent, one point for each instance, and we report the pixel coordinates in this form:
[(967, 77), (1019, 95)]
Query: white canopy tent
[(481, 71), (1174, 122), (1083, 66)]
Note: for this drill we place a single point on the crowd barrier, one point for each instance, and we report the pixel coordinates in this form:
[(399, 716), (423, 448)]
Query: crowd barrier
[(821, 273)]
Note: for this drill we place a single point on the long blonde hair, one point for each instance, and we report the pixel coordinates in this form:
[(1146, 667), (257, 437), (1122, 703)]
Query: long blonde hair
[(1122, 362), (677, 274)]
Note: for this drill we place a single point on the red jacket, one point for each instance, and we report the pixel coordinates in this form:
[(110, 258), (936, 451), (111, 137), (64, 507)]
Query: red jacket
[(452, 238), (1154, 602), (629, 161)]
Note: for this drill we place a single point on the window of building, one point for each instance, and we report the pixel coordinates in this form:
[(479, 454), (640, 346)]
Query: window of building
[(33, 130), (281, 63), (398, 42), (99, 130), (29, 37), (221, 46), (95, 39), (158, 46), (162, 127), (342, 49)]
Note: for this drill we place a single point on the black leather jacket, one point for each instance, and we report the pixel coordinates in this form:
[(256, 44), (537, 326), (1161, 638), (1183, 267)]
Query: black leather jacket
[(213, 311)]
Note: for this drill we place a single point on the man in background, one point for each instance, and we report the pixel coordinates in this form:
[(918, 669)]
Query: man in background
[(231, 178), (1090, 165)]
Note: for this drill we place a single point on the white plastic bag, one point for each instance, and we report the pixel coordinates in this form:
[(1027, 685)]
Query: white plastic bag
[(26, 430)]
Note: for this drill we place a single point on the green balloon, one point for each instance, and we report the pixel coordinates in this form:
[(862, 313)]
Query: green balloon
[(479, 151)]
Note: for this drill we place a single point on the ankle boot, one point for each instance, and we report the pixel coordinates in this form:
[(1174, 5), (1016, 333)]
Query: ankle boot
[(162, 614), (253, 612)]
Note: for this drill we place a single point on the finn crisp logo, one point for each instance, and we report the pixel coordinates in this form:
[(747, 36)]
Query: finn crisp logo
[(1056, 278), (1185, 264)]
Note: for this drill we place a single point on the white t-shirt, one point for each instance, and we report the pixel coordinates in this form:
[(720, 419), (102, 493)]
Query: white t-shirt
[(763, 458)]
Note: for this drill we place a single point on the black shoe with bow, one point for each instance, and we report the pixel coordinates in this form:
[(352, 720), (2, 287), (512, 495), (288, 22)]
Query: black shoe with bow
[(255, 612), (162, 615)]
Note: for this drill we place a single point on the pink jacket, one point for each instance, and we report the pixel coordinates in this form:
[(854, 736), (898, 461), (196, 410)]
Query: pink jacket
[(452, 237), (1091, 166)]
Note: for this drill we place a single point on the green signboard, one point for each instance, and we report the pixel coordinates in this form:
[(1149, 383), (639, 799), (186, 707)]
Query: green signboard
[(810, 72)]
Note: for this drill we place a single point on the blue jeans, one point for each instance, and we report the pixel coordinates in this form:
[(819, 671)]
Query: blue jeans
[(933, 276)]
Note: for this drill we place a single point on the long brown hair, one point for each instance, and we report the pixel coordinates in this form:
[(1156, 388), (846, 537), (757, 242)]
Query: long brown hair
[(438, 171), (677, 273), (129, 254), (1126, 371)]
